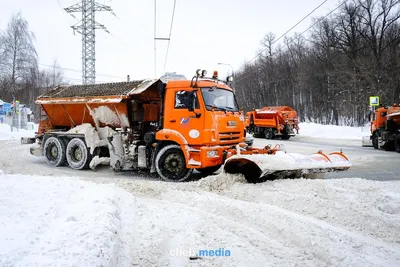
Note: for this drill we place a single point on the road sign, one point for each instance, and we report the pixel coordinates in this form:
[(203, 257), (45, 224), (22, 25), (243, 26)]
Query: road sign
[(374, 101)]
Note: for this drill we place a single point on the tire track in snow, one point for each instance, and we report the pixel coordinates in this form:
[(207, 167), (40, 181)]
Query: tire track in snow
[(274, 219)]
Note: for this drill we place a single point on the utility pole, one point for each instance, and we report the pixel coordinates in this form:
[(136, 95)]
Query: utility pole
[(87, 27)]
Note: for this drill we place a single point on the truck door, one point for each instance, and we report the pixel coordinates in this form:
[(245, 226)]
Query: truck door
[(178, 117)]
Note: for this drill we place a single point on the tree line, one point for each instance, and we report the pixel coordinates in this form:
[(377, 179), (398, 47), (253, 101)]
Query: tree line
[(20, 76), (328, 75)]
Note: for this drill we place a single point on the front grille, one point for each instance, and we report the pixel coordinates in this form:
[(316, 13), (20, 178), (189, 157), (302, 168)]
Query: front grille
[(228, 137)]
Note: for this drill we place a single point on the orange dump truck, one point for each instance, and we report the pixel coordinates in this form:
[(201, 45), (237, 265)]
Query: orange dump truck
[(385, 128), (171, 128), (270, 122)]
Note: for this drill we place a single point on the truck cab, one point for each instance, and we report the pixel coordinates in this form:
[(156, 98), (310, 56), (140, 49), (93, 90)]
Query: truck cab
[(201, 116), (169, 127)]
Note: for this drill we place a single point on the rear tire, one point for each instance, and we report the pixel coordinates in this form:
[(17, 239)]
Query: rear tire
[(171, 164), (78, 155), (209, 170), (269, 133), (54, 152)]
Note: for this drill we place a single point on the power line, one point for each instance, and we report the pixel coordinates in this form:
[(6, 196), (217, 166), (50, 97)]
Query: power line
[(290, 29), (315, 23), (75, 70), (169, 38), (155, 33), (344, 1), (62, 9)]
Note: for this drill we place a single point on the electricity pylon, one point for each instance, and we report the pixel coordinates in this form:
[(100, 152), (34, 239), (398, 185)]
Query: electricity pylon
[(87, 27)]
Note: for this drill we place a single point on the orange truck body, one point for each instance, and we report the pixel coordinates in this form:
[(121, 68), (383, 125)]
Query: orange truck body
[(385, 128), (147, 115), (170, 128), (275, 121)]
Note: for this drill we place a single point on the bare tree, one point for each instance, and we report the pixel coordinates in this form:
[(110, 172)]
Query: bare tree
[(18, 55)]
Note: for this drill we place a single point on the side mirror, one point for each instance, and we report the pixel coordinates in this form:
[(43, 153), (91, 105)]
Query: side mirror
[(191, 101)]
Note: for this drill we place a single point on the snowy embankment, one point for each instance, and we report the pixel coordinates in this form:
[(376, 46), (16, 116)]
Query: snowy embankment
[(15, 134), (59, 221), (332, 131)]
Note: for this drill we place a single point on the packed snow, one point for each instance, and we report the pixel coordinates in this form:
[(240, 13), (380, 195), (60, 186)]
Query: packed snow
[(65, 217), (333, 131), (91, 135)]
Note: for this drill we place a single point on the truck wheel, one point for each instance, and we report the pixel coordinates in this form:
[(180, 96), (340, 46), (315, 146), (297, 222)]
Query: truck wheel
[(171, 164), (375, 141), (209, 170), (78, 156), (54, 152), (269, 133), (397, 143)]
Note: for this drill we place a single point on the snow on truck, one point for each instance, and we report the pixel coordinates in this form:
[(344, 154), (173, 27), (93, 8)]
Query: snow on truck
[(171, 128), (271, 122), (385, 128)]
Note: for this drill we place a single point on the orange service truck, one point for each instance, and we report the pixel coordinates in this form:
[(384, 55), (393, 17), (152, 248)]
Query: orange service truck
[(385, 128), (271, 122), (171, 128)]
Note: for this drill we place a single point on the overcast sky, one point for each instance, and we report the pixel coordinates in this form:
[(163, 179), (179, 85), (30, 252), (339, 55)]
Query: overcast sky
[(204, 33)]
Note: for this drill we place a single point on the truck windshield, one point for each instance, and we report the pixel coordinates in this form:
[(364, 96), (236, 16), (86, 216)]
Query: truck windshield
[(219, 99)]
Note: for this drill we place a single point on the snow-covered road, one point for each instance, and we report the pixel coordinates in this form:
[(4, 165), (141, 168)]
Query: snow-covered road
[(63, 217), (60, 221)]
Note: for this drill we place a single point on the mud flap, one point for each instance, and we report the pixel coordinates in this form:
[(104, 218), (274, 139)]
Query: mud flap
[(28, 140)]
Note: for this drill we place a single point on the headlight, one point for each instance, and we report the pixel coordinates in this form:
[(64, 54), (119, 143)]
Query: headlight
[(212, 153)]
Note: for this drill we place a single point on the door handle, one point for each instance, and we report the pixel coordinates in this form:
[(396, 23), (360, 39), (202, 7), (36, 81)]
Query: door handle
[(172, 120)]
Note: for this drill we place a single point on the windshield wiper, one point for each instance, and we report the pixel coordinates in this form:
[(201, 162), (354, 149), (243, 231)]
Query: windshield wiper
[(215, 108), (230, 109)]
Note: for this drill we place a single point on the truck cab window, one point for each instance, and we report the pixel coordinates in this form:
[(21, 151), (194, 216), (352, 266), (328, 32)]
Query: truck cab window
[(219, 98), (182, 100)]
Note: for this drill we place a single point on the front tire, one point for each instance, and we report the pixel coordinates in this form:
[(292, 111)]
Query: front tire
[(397, 143), (78, 156), (171, 164), (375, 141), (54, 151)]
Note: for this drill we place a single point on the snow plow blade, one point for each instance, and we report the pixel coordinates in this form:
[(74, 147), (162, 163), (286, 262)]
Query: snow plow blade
[(262, 167)]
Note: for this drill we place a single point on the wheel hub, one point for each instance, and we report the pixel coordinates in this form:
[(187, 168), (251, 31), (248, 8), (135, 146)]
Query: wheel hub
[(54, 151), (174, 163), (77, 154)]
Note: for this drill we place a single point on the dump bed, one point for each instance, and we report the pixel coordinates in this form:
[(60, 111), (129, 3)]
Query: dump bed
[(273, 116), (98, 104)]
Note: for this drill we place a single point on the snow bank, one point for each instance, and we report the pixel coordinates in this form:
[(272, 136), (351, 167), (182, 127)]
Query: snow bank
[(301, 222), (66, 222), (332, 131), (59, 222), (16, 134)]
